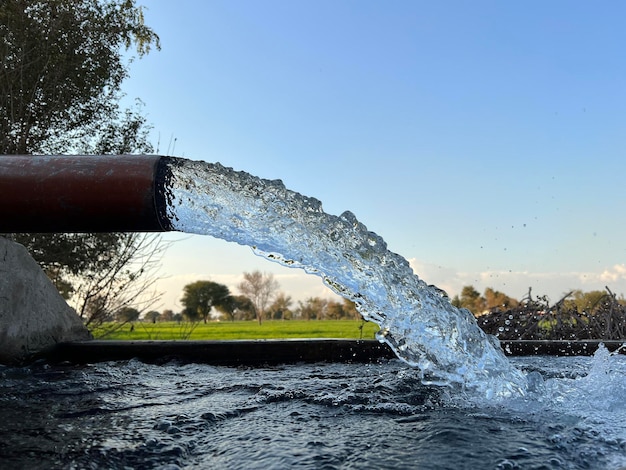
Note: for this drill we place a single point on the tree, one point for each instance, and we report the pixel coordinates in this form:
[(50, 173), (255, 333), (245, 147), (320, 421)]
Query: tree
[(313, 308), (127, 314), (118, 277), (260, 288), (62, 64), (496, 300), (586, 302), (334, 311), (166, 315), (350, 310), (339, 310), (244, 309), (492, 300), (152, 316), (96, 308), (470, 299), (279, 310), (62, 69), (201, 296), (237, 307)]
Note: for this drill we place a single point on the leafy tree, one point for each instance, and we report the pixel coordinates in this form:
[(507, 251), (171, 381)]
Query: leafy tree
[(279, 310), (350, 310), (152, 316), (586, 302), (127, 314), (496, 300), (470, 299), (306, 310), (342, 310), (62, 64), (260, 288), (243, 308), (491, 300), (201, 296), (237, 307), (166, 315), (334, 311), (313, 308), (62, 69)]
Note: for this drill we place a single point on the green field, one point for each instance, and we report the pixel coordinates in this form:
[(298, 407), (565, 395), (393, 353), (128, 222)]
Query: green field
[(348, 329)]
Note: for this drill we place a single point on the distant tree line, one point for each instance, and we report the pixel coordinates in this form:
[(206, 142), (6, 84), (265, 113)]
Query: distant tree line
[(578, 315), (259, 299), (478, 304)]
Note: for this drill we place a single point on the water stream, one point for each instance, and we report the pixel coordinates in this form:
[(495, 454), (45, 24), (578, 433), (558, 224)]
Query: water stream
[(417, 320)]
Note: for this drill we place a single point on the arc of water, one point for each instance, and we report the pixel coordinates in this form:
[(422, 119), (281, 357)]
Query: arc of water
[(152, 193), (415, 319)]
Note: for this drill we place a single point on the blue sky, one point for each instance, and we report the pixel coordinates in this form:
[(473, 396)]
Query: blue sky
[(483, 140)]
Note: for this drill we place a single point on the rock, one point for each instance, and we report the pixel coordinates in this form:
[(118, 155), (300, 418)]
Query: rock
[(33, 315)]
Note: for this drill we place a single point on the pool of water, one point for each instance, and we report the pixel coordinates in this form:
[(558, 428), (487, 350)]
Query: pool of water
[(135, 415)]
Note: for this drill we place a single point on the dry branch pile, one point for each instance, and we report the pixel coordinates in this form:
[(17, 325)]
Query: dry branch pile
[(536, 319)]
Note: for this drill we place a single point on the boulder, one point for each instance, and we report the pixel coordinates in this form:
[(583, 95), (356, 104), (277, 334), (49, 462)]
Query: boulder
[(33, 315)]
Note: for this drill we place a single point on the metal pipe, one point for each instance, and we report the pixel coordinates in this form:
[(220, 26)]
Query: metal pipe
[(82, 193)]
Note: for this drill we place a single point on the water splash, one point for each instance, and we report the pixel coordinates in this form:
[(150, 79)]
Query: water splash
[(418, 321)]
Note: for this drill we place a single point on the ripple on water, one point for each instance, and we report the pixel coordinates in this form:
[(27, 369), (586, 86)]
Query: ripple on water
[(130, 414)]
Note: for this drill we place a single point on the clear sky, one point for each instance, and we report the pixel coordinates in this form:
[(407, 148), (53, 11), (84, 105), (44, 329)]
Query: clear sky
[(485, 141)]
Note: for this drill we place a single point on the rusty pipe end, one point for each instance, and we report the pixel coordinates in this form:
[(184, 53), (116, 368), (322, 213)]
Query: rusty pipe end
[(83, 193)]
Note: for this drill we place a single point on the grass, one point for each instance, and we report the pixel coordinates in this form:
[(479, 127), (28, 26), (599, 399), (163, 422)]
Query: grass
[(348, 329)]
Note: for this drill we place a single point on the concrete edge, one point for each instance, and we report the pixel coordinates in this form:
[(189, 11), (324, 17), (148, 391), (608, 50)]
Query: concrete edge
[(224, 353), (271, 352)]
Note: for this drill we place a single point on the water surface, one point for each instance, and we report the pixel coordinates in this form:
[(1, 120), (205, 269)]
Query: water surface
[(135, 415)]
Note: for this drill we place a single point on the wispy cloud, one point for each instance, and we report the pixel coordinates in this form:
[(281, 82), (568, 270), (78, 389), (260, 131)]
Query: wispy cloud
[(518, 283), (615, 274)]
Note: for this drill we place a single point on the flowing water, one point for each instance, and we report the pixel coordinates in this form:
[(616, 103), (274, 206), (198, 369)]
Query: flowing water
[(123, 415), (416, 320)]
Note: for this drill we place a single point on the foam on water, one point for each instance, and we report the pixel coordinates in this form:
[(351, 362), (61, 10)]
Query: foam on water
[(581, 408), (598, 394), (416, 320)]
